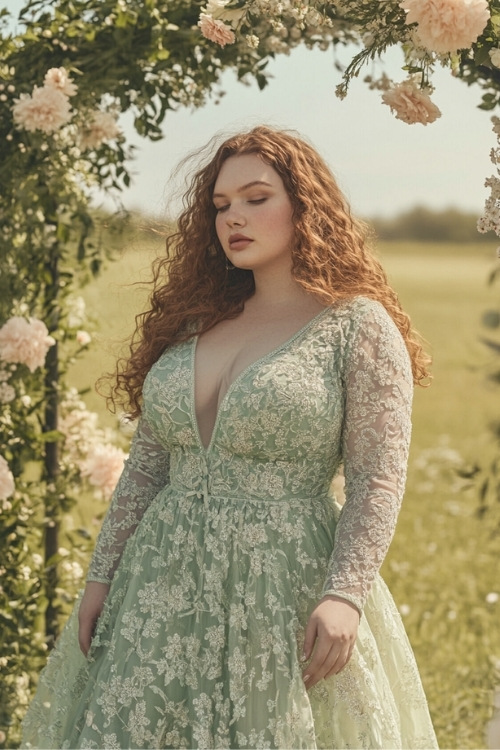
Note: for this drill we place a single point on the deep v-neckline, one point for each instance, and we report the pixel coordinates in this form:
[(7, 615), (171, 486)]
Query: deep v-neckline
[(193, 345)]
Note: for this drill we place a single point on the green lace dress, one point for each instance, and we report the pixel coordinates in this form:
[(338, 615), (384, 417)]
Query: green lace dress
[(216, 557)]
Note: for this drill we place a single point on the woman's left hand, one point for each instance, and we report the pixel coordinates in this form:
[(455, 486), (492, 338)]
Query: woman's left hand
[(331, 632)]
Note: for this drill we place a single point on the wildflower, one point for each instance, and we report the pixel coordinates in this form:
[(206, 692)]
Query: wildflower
[(7, 393), (445, 26), (47, 109), (410, 104), (216, 31), (252, 41), (25, 342), (73, 570), (492, 597), (76, 311), (7, 485)]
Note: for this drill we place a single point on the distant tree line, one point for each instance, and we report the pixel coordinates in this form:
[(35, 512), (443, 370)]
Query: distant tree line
[(425, 225)]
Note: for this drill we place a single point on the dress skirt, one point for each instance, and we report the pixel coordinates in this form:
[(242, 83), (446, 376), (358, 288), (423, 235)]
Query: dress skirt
[(200, 639)]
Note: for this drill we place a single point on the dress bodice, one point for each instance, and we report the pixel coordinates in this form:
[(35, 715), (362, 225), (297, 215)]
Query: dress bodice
[(277, 431), (339, 390)]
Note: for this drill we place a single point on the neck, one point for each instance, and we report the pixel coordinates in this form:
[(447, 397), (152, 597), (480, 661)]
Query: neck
[(274, 289)]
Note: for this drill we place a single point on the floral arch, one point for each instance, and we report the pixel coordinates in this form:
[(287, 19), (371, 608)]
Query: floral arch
[(74, 66)]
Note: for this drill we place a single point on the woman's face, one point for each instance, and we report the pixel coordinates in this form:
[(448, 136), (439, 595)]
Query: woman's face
[(254, 214)]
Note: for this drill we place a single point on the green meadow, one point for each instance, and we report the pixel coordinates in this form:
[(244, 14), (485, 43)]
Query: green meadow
[(443, 565)]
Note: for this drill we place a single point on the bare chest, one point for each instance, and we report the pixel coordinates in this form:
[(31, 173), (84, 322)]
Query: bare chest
[(225, 352)]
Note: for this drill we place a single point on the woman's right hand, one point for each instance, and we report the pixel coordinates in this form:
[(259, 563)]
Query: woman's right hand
[(91, 606)]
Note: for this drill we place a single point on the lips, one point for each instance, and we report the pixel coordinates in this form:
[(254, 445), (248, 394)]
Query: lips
[(239, 241)]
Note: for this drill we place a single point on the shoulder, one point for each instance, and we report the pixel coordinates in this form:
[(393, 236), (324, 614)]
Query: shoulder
[(363, 309), (359, 315), (372, 338)]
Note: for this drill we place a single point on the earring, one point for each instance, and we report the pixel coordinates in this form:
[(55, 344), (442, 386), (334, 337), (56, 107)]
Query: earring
[(229, 265)]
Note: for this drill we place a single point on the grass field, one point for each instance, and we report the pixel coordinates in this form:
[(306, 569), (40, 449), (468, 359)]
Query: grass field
[(443, 564)]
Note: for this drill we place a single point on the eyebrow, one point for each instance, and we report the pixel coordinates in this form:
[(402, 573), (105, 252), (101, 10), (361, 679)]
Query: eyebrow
[(244, 187)]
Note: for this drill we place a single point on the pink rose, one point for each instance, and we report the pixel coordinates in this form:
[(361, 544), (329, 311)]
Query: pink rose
[(25, 342), (447, 25), (46, 109), (60, 80), (101, 127), (7, 485), (216, 31), (411, 104), (83, 338), (103, 467)]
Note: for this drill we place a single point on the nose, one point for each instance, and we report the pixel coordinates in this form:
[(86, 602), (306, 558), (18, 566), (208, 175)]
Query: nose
[(234, 217)]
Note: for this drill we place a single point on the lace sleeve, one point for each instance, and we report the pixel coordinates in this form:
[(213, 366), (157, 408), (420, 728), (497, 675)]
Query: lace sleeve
[(145, 473), (376, 437)]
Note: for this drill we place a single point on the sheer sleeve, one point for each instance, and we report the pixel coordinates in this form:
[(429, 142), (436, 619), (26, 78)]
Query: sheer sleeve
[(145, 473), (376, 437)]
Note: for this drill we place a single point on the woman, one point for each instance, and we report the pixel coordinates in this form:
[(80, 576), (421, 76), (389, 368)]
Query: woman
[(228, 603)]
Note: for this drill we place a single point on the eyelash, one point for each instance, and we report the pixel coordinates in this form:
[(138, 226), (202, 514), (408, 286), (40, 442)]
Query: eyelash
[(256, 202)]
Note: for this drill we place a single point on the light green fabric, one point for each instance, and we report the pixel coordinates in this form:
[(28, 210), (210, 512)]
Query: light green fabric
[(217, 556)]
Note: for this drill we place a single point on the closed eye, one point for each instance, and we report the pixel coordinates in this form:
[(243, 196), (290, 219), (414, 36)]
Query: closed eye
[(254, 202)]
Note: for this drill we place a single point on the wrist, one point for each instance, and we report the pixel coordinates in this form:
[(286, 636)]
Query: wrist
[(341, 600)]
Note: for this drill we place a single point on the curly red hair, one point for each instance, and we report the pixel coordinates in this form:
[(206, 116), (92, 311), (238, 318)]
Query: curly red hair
[(193, 291)]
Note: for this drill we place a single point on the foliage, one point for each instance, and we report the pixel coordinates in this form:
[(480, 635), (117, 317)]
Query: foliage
[(423, 224)]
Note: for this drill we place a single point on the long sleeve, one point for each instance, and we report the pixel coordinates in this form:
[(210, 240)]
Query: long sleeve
[(145, 473), (376, 438)]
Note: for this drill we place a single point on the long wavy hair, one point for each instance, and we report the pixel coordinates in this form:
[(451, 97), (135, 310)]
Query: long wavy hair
[(193, 290)]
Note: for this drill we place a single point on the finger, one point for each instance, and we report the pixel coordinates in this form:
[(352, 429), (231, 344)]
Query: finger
[(324, 657), (85, 633), (341, 662), (309, 639), (84, 643)]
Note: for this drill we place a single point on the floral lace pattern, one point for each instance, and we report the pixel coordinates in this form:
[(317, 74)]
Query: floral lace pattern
[(217, 556)]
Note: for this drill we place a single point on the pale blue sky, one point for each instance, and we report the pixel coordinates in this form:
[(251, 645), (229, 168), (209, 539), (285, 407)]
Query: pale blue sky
[(383, 165)]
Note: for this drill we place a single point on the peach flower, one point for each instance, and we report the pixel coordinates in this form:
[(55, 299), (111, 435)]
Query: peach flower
[(83, 338), (447, 25), (216, 31), (59, 79), (101, 127), (103, 466), (7, 485), (46, 109), (411, 104), (25, 342)]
